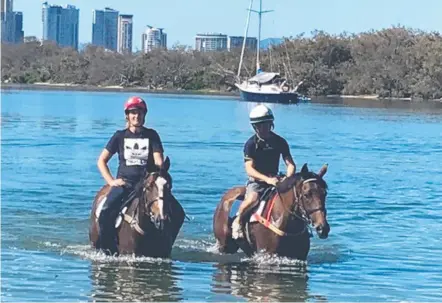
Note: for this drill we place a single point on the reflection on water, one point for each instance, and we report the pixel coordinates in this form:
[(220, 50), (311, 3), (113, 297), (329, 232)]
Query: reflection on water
[(262, 282), (143, 281)]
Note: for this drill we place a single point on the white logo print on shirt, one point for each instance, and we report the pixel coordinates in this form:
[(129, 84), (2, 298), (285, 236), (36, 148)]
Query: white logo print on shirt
[(136, 151)]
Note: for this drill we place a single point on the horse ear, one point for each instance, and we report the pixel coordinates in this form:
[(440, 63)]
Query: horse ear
[(166, 165), (304, 169), (323, 170)]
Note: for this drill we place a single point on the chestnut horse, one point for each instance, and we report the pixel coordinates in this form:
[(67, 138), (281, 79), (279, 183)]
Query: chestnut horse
[(283, 229), (151, 221)]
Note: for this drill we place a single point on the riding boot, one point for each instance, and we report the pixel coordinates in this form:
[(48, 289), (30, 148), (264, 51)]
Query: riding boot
[(237, 232), (106, 221)]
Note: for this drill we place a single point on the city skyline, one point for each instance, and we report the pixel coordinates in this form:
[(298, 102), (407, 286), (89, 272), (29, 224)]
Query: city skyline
[(184, 20)]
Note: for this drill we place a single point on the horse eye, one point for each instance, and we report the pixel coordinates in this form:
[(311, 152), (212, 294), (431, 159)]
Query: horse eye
[(308, 194)]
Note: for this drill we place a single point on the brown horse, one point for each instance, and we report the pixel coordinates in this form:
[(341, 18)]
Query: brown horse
[(152, 220), (284, 228)]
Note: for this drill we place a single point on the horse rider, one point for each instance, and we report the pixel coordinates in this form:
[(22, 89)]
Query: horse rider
[(139, 151), (262, 152)]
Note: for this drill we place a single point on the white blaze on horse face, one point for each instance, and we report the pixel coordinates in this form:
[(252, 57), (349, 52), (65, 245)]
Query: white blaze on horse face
[(160, 182)]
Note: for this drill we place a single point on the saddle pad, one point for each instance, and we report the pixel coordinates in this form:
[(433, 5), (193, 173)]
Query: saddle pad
[(259, 211), (100, 207)]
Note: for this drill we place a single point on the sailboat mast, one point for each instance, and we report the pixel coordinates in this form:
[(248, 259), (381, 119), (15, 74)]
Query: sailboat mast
[(259, 37), (245, 39), (260, 12)]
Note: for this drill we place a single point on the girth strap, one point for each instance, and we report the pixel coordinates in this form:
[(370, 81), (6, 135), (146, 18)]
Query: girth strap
[(269, 225)]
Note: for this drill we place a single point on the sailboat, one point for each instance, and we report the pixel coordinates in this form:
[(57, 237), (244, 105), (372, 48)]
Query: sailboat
[(264, 86)]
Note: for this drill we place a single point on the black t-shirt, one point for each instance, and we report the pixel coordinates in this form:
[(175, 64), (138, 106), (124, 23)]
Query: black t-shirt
[(265, 153), (135, 152)]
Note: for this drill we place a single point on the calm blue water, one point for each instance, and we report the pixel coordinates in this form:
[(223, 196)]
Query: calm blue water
[(384, 203)]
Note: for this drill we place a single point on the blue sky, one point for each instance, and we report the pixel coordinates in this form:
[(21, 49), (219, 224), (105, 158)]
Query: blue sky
[(182, 19)]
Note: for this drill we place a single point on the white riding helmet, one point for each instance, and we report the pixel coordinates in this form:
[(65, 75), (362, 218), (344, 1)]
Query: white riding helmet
[(261, 113)]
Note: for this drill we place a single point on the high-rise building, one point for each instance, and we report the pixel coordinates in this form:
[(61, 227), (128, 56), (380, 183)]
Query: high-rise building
[(11, 23), (237, 42), (7, 6), (210, 42), (125, 33), (105, 28), (18, 33), (60, 24), (153, 38)]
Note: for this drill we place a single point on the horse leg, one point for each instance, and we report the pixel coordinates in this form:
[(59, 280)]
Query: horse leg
[(222, 222), (106, 240)]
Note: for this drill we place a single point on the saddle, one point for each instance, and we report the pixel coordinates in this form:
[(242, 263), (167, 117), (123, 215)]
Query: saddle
[(123, 208), (259, 205)]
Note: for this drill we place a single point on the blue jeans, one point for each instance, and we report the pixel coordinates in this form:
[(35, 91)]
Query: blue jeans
[(109, 213)]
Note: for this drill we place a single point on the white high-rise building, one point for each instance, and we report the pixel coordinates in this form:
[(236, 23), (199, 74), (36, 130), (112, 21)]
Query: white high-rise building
[(210, 42), (153, 38), (125, 36)]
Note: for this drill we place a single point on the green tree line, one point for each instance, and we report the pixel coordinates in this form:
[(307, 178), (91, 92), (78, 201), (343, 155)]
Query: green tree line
[(393, 62)]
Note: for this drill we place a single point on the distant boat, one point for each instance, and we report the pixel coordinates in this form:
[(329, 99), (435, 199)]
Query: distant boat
[(265, 86)]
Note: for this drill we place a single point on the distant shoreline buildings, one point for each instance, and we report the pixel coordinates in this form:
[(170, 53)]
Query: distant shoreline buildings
[(219, 42), (60, 24), (125, 34), (105, 28), (11, 23), (110, 29), (153, 38)]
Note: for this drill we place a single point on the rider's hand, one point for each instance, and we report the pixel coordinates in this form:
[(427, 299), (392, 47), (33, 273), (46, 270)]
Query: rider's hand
[(117, 182), (272, 181)]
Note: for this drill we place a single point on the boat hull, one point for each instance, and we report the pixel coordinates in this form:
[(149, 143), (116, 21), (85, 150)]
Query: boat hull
[(287, 98)]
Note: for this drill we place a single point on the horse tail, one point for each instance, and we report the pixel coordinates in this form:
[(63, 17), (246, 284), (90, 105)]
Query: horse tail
[(222, 222)]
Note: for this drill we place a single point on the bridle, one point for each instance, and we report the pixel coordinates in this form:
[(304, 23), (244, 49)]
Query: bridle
[(299, 204), (149, 203)]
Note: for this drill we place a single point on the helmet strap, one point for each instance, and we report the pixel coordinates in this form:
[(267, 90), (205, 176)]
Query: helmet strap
[(257, 133)]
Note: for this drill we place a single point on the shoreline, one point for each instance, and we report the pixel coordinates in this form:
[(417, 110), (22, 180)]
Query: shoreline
[(204, 92), (113, 88)]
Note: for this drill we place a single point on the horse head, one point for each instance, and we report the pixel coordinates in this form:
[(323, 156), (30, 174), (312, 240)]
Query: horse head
[(157, 188), (310, 191)]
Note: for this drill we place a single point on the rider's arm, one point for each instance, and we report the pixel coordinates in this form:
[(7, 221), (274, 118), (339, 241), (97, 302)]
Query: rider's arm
[(102, 166), (291, 166), (252, 172), (158, 159), (288, 159), (107, 153), (157, 149)]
